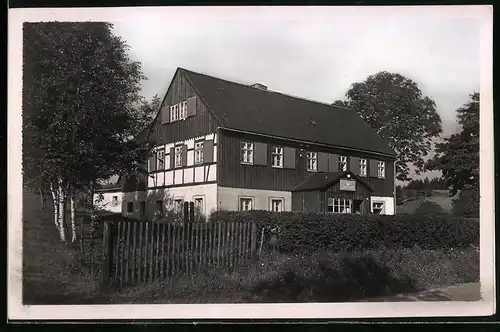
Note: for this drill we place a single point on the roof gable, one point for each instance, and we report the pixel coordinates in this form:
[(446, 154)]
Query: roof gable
[(245, 108)]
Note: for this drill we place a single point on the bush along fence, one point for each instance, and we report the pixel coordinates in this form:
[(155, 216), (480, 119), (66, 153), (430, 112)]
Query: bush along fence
[(138, 252)]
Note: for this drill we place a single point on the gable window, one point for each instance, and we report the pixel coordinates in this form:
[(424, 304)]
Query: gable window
[(183, 110), (312, 161), (381, 169), (174, 112), (178, 156), (160, 159), (342, 163), (362, 167), (130, 207), (114, 201), (339, 205), (246, 203), (277, 204), (198, 152), (277, 154), (246, 153)]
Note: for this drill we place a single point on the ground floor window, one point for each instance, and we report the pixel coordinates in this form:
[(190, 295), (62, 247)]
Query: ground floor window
[(179, 204), (159, 207), (130, 207), (246, 203), (276, 204), (142, 209), (378, 207), (340, 205), (199, 206)]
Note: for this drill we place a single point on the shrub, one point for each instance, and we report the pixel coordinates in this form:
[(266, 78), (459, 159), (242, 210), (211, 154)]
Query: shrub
[(428, 207), (467, 204), (298, 232)]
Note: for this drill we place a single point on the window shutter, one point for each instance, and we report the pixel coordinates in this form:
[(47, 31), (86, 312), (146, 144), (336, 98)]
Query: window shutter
[(184, 155), (354, 165), (208, 151), (373, 168), (260, 154), (289, 158), (152, 163), (191, 106), (165, 114), (322, 162), (333, 163), (172, 158)]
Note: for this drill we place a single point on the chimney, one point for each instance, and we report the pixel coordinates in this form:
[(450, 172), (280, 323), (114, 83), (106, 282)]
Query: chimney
[(259, 86)]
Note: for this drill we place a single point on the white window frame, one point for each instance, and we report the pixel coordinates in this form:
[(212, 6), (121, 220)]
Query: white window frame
[(363, 167), (277, 156), (342, 163), (183, 110), (160, 158), (340, 205), (178, 156), (174, 112), (247, 152), (312, 161), (281, 201), (381, 169), (249, 199), (202, 198), (198, 152)]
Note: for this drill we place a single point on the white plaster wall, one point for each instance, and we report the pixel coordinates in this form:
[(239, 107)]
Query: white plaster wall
[(228, 198), (108, 199), (388, 204)]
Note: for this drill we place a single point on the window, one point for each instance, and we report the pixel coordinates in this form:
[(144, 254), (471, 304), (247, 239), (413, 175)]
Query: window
[(160, 159), (362, 167), (178, 156), (179, 205), (246, 153), (130, 207), (339, 205), (312, 161), (142, 209), (277, 155), (114, 201), (174, 112), (378, 207), (342, 163), (276, 204), (183, 110), (246, 203), (159, 207), (199, 206), (198, 152), (381, 169)]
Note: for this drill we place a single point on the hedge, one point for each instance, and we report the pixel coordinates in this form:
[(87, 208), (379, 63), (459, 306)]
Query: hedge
[(467, 204), (428, 207), (297, 232)]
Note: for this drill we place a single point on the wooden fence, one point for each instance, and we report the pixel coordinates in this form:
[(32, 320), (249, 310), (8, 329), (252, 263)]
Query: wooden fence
[(139, 251)]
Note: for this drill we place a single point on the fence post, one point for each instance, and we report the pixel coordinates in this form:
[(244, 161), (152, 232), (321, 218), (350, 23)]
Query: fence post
[(108, 254), (254, 238), (185, 215), (191, 211)]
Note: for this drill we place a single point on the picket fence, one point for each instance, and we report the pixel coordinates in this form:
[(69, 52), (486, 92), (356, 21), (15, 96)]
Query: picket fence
[(138, 252)]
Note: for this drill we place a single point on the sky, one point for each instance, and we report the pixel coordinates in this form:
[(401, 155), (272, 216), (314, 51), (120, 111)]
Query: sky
[(315, 54)]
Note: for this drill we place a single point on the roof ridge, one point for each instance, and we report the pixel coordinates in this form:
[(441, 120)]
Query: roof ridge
[(268, 91)]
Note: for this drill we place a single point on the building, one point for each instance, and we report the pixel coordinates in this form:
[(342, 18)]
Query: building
[(229, 146)]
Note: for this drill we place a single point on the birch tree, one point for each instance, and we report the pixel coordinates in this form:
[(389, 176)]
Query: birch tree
[(81, 121)]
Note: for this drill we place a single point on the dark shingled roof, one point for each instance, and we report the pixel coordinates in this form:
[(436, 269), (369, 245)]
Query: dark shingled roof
[(321, 181), (246, 108)]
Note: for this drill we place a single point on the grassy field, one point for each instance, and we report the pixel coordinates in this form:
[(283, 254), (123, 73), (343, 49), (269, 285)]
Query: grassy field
[(50, 275), (440, 197)]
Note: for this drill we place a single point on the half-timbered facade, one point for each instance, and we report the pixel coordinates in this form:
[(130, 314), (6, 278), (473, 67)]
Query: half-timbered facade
[(225, 145)]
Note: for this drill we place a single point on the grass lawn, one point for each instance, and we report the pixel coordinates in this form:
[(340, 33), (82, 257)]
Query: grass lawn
[(48, 276)]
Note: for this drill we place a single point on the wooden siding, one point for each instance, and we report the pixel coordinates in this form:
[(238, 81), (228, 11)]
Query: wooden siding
[(231, 173), (308, 201), (201, 123)]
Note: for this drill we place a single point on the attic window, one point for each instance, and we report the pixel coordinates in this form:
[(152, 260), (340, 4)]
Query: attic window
[(174, 113)]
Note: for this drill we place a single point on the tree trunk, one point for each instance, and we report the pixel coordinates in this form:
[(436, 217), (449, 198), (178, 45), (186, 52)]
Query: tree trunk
[(43, 198), (58, 196), (72, 217)]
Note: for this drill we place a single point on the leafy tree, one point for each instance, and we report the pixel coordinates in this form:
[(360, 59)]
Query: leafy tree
[(80, 109), (458, 156), (395, 107)]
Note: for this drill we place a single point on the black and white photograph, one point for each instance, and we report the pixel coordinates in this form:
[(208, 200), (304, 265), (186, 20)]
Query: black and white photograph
[(250, 162)]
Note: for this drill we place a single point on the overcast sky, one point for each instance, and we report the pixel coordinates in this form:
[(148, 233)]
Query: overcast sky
[(317, 55)]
